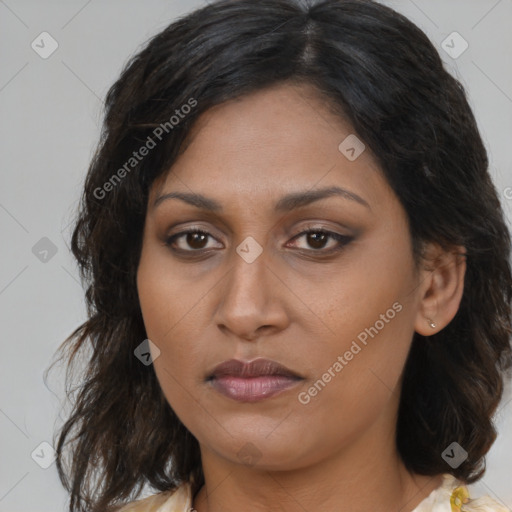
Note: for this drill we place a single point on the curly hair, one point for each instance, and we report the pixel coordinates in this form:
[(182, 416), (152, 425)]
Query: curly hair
[(378, 71)]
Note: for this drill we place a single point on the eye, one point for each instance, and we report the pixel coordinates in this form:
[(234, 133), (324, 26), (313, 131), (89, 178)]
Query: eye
[(317, 239), (196, 240), (193, 238)]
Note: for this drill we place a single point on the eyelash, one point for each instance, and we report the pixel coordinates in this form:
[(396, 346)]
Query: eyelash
[(342, 240)]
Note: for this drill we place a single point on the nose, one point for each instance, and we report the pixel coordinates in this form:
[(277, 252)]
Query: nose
[(251, 301)]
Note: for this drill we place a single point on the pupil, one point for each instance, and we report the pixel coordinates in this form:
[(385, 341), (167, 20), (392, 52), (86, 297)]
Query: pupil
[(318, 240), (192, 240)]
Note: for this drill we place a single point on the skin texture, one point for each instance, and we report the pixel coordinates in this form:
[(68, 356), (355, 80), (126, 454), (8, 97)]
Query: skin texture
[(292, 305)]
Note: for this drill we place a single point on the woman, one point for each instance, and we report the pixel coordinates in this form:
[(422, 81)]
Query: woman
[(298, 272)]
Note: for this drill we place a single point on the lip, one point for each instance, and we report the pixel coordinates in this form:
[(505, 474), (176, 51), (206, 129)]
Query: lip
[(252, 381)]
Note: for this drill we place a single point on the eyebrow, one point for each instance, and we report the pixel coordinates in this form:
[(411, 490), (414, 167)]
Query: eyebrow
[(284, 204)]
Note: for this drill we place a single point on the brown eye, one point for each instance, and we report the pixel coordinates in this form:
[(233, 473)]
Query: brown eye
[(318, 239), (190, 240), (196, 240)]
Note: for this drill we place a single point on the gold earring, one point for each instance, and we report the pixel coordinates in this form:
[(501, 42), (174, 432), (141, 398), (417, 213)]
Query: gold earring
[(431, 323)]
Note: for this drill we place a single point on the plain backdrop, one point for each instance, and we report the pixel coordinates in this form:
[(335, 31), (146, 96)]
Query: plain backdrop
[(50, 111)]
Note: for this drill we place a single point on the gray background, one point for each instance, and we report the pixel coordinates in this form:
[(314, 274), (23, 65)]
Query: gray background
[(51, 117)]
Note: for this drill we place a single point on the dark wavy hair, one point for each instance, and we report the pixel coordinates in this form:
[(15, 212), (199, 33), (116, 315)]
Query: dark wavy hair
[(379, 72)]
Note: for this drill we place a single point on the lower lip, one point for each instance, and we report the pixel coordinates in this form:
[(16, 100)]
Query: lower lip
[(252, 389)]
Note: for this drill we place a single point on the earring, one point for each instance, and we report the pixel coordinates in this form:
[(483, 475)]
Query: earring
[(431, 323)]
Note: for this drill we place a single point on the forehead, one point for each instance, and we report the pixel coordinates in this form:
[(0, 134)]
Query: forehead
[(270, 143)]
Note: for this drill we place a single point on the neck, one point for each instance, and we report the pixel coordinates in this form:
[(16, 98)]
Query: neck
[(366, 475)]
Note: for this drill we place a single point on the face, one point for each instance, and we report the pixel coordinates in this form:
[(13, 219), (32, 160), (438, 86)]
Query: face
[(229, 271)]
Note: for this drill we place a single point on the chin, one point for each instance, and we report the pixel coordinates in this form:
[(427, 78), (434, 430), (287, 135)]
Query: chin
[(255, 448)]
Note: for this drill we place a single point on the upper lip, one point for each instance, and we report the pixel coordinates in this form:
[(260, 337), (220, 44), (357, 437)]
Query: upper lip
[(256, 368)]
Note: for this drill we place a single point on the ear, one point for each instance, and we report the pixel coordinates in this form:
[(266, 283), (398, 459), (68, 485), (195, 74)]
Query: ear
[(440, 289)]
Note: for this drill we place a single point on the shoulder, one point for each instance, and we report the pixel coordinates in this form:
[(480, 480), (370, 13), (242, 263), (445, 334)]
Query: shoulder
[(177, 500), (454, 496)]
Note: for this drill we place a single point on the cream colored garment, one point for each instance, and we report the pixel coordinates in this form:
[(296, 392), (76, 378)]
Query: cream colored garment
[(451, 496)]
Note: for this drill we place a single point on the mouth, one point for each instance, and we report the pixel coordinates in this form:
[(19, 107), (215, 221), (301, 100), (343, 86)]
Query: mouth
[(252, 381)]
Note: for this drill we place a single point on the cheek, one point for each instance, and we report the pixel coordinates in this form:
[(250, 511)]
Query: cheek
[(161, 311), (355, 383), (368, 299), (370, 314), (174, 316), (170, 325), (164, 300)]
